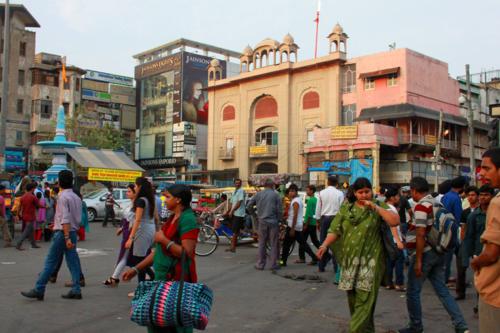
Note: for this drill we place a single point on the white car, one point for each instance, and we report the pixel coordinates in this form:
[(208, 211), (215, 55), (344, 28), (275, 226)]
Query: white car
[(96, 203)]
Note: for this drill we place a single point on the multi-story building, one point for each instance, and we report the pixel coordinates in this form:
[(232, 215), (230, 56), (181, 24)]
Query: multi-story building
[(109, 100), (172, 107), (48, 91), (17, 117), (260, 119)]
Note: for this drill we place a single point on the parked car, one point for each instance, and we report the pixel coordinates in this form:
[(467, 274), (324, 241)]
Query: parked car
[(96, 203)]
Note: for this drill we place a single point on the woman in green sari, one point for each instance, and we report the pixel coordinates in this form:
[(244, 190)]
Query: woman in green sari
[(355, 237), (178, 233)]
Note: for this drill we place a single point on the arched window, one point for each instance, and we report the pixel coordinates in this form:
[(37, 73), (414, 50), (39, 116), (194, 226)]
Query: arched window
[(228, 113), (310, 100), (266, 107), (267, 167), (266, 136)]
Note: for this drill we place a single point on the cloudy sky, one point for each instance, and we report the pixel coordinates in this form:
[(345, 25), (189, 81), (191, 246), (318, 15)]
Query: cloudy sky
[(104, 34)]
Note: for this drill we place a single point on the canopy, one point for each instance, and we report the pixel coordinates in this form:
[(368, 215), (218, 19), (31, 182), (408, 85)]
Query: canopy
[(102, 159)]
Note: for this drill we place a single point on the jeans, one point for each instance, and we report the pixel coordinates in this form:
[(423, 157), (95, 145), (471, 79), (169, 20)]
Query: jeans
[(310, 231), (448, 258), (324, 226), (58, 268), (433, 269), (461, 273), (398, 266), (268, 233), (299, 237), (57, 250), (28, 233)]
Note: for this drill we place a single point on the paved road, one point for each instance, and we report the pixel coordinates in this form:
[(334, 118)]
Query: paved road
[(246, 300)]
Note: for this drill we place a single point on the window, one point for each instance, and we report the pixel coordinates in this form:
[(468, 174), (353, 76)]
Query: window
[(348, 114), (19, 135), (369, 83), (20, 106), (392, 80), (67, 83), (20, 78), (229, 113), (349, 82), (45, 109), (66, 108), (229, 144), (310, 135), (266, 136), (77, 84), (310, 100), (160, 145), (266, 107), (22, 49)]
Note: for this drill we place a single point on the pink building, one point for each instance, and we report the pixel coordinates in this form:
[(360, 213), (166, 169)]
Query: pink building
[(393, 102)]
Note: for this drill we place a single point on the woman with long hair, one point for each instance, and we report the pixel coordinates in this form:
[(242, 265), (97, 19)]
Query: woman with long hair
[(143, 230), (124, 230), (356, 232), (178, 234)]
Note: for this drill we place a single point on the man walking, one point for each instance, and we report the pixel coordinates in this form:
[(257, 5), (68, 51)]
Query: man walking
[(487, 264), (329, 202), (110, 208), (310, 224), (3, 219), (236, 212), (66, 223), (28, 205), (426, 263), (269, 212)]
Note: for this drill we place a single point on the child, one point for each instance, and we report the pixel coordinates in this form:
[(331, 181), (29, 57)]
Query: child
[(40, 216)]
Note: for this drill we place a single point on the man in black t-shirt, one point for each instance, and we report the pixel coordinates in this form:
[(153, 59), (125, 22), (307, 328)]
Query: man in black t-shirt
[(110, 208)]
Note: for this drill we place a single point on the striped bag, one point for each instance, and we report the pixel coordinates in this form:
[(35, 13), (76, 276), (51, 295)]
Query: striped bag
[(172, 303)]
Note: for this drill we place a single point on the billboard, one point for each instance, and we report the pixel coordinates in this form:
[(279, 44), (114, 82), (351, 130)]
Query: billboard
[(110, 78), (15, 159), (195, 81)]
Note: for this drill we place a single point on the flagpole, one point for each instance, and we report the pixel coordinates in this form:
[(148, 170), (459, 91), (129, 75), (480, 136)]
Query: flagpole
[(317, 29)]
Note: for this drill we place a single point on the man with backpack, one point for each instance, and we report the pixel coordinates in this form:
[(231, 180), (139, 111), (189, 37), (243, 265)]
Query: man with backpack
[(427, 247)]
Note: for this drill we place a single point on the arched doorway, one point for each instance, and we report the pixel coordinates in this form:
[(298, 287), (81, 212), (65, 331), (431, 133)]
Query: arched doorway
[(266, 167)]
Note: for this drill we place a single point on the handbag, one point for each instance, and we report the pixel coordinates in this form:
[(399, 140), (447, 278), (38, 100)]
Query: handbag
[(172, 303), (390, 248)]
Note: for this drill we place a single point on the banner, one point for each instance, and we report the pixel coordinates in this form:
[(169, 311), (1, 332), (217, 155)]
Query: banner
[(113, 175)]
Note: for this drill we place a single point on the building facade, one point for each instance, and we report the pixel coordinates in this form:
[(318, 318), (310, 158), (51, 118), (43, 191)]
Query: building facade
[(109, 100), (48, 92), (17, 117), (172, 108)]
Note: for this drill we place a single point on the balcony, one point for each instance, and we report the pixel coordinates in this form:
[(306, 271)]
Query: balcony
[(226, 154), (426, 140), (263, 151)]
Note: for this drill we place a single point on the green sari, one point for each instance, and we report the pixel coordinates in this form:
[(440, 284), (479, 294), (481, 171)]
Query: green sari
[(167, 267), (360, 253)]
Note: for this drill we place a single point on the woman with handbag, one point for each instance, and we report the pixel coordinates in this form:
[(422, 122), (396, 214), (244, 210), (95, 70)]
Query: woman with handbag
[(360, 251), (178, 235)]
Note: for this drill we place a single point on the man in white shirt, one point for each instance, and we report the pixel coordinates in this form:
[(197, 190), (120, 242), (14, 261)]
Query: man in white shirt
[(329, 202)]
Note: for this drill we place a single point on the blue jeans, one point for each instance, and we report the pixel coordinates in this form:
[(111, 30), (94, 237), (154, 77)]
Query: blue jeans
[(433, 269), (398, 266), (56, 251)]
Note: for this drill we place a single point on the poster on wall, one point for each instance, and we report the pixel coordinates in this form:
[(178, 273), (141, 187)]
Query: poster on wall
[(15, 159), (195, 80)]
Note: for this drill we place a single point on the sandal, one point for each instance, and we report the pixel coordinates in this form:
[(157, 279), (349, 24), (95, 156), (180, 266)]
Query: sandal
[(111, 281)]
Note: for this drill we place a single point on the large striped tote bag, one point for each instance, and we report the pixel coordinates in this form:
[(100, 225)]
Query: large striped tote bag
[(172, 303)]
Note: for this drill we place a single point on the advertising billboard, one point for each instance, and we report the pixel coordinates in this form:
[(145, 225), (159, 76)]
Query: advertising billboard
[(195, 80), (16, 159), (110, 78)]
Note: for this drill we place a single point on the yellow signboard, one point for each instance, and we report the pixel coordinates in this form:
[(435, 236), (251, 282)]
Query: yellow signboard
[(112, 175), (258, 150), (430, 140), (344, 132)]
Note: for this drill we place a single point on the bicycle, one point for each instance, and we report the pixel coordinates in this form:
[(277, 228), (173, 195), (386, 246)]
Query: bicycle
[(282, 234)]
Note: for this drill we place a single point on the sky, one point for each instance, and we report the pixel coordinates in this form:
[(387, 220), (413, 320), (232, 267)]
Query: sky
[(104, 34)]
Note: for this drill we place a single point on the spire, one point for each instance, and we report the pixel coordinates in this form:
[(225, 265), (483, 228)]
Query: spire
[(61, 125)]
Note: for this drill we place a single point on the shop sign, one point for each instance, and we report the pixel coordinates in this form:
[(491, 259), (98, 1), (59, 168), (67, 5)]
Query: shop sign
[(95, 95), (111, 78), (344, 132), (113, 175), (95, 85), (430, 140), (257, 150), (161, 163), (158, 66)]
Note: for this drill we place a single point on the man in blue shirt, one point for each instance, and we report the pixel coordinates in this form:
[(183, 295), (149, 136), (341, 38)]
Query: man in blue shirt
[(453, 203)]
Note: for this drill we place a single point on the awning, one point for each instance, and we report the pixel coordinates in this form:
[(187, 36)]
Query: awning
[(102, 159), (379, 73), (407, 111)]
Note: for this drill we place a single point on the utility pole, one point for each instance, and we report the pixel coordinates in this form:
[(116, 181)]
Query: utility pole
[(472, 160), (437, 153), (5, 82)]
